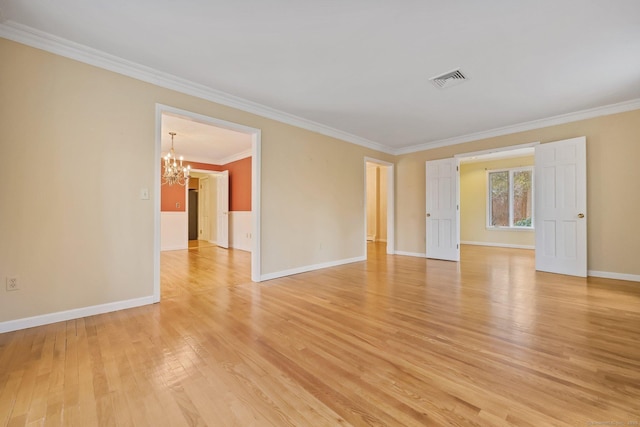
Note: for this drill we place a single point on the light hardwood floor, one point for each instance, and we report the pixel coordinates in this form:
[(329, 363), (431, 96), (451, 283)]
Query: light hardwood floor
[(396, 341)]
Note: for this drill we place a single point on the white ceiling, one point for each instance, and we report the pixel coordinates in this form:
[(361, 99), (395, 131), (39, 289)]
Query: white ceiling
[(200, 142), (361, 67)]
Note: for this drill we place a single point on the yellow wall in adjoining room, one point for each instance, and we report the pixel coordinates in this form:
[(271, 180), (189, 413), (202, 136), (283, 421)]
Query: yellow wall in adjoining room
[(473, 205), (377, 177), (383, 177), (613, 150)]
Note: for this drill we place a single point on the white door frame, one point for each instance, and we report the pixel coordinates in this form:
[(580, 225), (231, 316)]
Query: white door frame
[(391, 227), (255, 186)]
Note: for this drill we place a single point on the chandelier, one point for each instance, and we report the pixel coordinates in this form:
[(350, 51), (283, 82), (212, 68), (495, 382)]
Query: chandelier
[(174, 173)]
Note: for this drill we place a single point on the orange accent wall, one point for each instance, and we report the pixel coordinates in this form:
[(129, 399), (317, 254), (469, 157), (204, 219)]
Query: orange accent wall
[(240, 184), (239, 187), (172, 198)]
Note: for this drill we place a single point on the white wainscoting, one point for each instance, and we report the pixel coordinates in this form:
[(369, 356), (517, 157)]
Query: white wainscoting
[(240, 232), (174, 228)]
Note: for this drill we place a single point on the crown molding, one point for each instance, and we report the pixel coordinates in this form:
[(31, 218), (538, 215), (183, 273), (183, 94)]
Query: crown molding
[(235, 157), (605, 110), (29, 36), (41, 40), (222, 161)]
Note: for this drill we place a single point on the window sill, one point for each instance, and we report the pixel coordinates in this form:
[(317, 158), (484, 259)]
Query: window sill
[(531, 229)]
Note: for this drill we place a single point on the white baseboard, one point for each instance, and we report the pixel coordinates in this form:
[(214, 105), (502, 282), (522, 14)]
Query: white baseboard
[(415, 254), (62, 316), (277, 274), (174, 248), (497, 245), (617, 276)]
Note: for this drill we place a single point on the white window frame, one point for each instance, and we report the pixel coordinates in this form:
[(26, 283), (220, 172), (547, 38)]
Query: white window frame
[(488, 199)]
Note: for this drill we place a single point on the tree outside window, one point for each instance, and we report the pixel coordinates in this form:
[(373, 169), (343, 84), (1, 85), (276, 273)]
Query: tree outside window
[(510, 194)]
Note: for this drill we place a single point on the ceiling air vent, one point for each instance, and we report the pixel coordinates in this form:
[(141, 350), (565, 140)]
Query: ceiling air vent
[(449, 79)]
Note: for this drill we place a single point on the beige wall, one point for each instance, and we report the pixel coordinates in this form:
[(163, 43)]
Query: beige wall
[(473, 205), (613, 150), (81, 142)]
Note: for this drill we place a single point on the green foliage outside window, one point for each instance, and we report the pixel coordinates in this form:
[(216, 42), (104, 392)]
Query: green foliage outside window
[(511, 198)]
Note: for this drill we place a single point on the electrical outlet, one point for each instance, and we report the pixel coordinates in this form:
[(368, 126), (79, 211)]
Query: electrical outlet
[(12, 284)]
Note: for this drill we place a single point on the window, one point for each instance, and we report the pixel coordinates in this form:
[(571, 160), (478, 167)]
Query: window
[(510, 198)]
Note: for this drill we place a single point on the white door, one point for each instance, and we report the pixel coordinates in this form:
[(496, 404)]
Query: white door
[(223, 209), (561, 207), (443, 228), (203, 210)]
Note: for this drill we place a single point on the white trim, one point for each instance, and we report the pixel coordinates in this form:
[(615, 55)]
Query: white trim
[(604, 110), (616, 276), (220, 161), (306, 268), (518, 229), (157, 213), (519, 150), (256, 189), (236, 157), (498, 245), (39, 39), (414, 254), (174, 248), (77, 313)]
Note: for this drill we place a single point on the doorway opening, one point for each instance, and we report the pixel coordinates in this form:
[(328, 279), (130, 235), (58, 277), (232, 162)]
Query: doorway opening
[(558, 214), (477, 208), (210, 146), (208, 212), (379, 204)]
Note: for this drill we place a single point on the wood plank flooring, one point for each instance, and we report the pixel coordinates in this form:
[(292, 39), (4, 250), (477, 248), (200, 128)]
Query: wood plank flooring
[(395, 341)]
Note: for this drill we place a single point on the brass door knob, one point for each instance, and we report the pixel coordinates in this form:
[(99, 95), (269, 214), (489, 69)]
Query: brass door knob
[(580, 215)]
